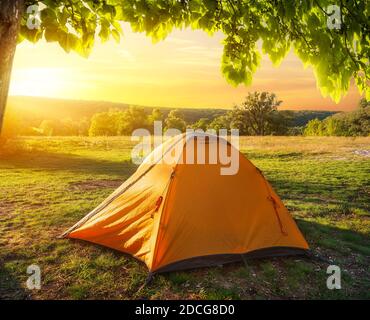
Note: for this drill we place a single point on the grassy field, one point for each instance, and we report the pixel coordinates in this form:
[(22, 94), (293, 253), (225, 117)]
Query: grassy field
[(47, 184)]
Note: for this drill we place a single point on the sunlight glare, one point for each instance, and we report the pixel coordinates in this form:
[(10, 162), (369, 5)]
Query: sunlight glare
[(40, 81)]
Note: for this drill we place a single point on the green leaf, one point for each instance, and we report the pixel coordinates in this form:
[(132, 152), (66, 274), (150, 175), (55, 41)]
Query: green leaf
[(279, 24), (116, 35)]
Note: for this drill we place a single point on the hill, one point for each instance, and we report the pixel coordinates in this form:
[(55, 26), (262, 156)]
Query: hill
[(36, 109)]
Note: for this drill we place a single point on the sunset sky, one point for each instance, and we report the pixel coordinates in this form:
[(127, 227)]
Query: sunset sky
[(182, 71)]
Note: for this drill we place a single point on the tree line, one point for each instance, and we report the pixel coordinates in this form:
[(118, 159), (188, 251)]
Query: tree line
[(355, 123), (258, 115)]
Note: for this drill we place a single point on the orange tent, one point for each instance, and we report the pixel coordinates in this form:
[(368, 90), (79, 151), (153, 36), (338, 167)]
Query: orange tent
[(174, 215)]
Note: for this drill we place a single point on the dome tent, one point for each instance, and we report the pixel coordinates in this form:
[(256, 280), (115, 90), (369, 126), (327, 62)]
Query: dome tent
[(173, 215)]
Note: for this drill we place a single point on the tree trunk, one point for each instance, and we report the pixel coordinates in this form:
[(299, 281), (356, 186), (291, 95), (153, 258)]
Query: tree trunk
[(10, 16)]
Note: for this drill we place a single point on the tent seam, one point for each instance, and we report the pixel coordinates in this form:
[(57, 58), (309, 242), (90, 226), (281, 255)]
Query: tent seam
[(169, 190), (99, 209), (163, 212)]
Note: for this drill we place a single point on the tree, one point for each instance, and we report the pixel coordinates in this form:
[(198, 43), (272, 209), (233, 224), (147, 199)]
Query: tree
[(258, 111), (337, 51), (131, 119), (246, 117), (10, 13), (314, 128), (103, 124), (175, 120), (354, 123), (281, 123), (236, 118), (117, 122), (202, 124), (358, 122), (156, 115), (221, 122), (335, 127)]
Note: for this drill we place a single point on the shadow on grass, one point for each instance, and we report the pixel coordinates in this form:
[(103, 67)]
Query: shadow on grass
[(10, 287), (338, 241), (320, 193), (341, 241), (254, 155), (329, 237), (42, 160)]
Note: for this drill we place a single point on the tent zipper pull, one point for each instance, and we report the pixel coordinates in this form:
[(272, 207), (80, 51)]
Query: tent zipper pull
[(158, 203)]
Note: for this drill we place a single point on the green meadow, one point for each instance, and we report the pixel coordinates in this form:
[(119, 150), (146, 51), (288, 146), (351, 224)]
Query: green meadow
[(47, 184)]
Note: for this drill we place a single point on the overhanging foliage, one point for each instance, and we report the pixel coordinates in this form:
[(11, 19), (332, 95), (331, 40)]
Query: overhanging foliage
[(251, 27)]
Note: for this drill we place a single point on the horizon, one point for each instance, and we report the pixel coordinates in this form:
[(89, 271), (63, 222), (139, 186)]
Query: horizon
[(183, 71), (150, 106)]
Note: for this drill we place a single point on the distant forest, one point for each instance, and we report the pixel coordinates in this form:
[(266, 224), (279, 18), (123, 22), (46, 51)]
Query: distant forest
[(257, 115)]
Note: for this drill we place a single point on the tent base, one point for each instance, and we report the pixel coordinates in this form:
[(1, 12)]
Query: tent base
[(219, 259)]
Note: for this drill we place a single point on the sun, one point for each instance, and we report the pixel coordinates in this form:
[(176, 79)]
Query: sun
[(37, 82)]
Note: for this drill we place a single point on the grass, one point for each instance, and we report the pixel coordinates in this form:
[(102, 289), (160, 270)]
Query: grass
[(47, 184)]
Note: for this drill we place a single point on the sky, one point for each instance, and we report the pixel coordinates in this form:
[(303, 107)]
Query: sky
[(181, 71)]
